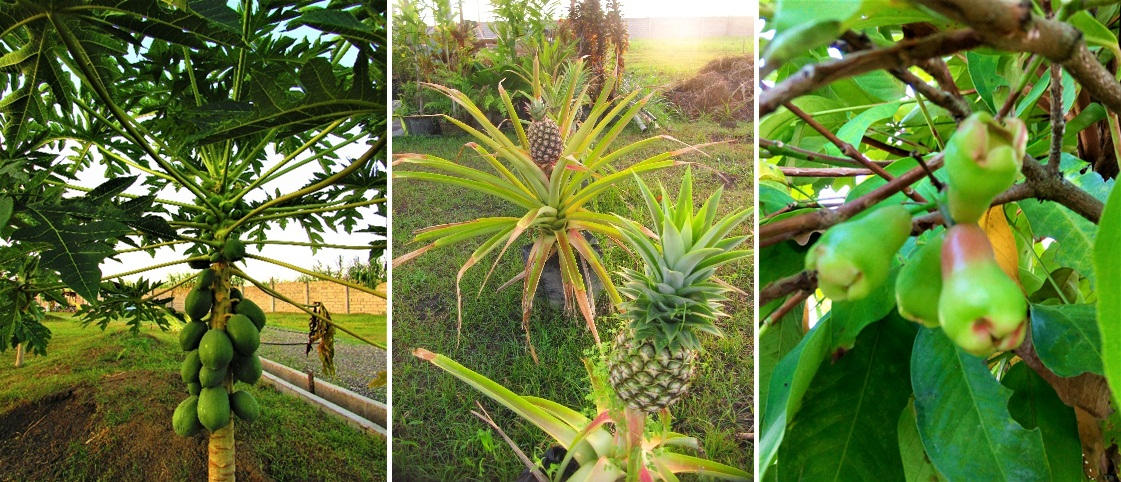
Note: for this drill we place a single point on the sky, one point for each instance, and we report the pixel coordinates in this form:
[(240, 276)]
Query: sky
[(480, 9)]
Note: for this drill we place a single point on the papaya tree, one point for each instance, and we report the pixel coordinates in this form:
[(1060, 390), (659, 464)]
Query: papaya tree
[(938, 228), (234, 120)]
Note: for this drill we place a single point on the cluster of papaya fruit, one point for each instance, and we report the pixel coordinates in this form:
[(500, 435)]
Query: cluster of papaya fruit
[(953, 280), (218, 354)]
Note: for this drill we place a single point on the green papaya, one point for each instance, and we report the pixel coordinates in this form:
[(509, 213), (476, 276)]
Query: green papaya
[(190, 335), (185, 419), (235, 294), (233, 250), (214, 408), (198, 264), (194, 388), (983, 158), (198, 303), (919, 284), (189, 369), (206, 279), (211, 378), (215, 349), (247, 369), (254, 312), (854, 258), (245, 406), (981, 309), (243, 334)]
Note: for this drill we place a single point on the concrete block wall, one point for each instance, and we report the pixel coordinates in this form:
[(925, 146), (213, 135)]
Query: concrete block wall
[(337, 298)]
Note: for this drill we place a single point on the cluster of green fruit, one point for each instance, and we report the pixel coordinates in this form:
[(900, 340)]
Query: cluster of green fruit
[(953, 281), (218, 356)]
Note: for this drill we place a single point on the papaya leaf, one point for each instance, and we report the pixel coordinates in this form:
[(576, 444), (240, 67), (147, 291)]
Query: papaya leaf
[(75, 249)]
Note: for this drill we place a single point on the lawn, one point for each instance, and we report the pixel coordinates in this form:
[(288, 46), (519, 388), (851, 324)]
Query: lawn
[(368, 326), (106, 398), (670, 60), (436, 437)]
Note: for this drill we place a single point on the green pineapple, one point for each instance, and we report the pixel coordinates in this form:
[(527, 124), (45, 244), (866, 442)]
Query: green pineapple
[(674, 298), (545, 143)]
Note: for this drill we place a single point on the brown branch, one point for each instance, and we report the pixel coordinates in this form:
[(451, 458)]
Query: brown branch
[(1058, 120), (825, 171), (802, 281), (780, 148), (789, 304), (883, 146), (901, 55), (848, 149)]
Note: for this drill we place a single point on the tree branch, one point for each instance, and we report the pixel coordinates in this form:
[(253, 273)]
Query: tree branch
[(802, 281), (779, 148), (824, 171)]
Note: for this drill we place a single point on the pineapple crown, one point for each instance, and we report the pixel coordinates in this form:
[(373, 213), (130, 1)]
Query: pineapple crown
[(675, 297), (538, 109)]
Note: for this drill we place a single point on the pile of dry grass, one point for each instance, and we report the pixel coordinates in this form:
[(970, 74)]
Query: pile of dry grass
[(723, 89)]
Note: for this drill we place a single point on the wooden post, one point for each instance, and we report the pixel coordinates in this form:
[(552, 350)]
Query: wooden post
[(19, 355), (271, 297)]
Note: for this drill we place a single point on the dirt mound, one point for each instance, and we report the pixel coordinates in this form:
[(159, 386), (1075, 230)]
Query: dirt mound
[(120, 430), (723, 89)]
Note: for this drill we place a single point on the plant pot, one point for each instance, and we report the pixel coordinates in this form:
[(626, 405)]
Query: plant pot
[(551, 290), (553, 456), (421, 125)]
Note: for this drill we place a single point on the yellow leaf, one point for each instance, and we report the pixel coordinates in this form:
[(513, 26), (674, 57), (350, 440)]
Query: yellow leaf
[(379, 381), (1000, 235)]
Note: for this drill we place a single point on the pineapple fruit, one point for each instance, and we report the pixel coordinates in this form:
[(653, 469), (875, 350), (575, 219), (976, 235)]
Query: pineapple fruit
[(545, 143), (673, 299)]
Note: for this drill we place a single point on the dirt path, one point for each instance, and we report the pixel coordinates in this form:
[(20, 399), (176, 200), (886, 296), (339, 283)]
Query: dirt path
[(355, 364)]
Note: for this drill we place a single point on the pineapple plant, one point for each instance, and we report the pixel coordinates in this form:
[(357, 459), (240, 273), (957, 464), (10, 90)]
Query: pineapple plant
[(545, 142), (673, 299)]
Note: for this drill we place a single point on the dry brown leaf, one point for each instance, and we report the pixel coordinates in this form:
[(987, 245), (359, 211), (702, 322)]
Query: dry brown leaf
[(995, 224)]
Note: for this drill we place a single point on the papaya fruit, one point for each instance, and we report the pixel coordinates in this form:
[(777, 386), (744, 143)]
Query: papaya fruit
[(233, 250), (185, 419), (215, 349), (211, 378), (247, 369), (251, 310), (919, 284), (981, 309), (206, 279), (853, 258), (194, 388), (190, 335), (235, 294), (189, 369), (243, 334), (244, 405), (198, 303), (198, 264), (982, 158), (214, 408)]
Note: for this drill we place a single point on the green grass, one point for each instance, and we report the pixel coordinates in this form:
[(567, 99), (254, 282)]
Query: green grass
[(672, 59), (133, 385), (436, 437), (368, 326)]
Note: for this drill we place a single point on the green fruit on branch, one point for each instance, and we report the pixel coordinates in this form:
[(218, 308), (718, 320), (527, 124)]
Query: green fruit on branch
[(254, 312), (247, 369), (211, 378), (214, 408), (233, 250), (854, 258), (981, 308), (215, 349), (198, 264), (235, 294), (198, 303), (245, 406), (185, 420), (194, 388), (243, 333), (206, 279), (190, 335), (189, 369), (983, 158), (919, 284)]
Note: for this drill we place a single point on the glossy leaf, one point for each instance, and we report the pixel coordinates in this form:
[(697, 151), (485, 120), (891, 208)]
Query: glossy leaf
[(1067, 339)]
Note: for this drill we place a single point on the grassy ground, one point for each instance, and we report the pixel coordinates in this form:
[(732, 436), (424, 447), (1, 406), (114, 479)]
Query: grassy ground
[(368, 326), (98, 407), (670, 60), (436, 437)]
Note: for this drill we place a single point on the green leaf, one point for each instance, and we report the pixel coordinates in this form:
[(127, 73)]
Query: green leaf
[(6, 205), (338, 22), (775, 341), (1107, 270), (916, 464), (853, 131), (840, 432), (1035, 404), (1093, 32), (1066, 339), (963, 419), (76, 250), (860, 313), (1074, 233), (983, 71)]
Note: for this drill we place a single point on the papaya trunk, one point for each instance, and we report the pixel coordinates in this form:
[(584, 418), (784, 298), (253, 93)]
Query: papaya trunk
[(19, 355), (221, 450)]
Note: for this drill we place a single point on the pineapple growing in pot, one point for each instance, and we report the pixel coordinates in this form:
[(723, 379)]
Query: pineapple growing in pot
[(675, 297), (545, 140)]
